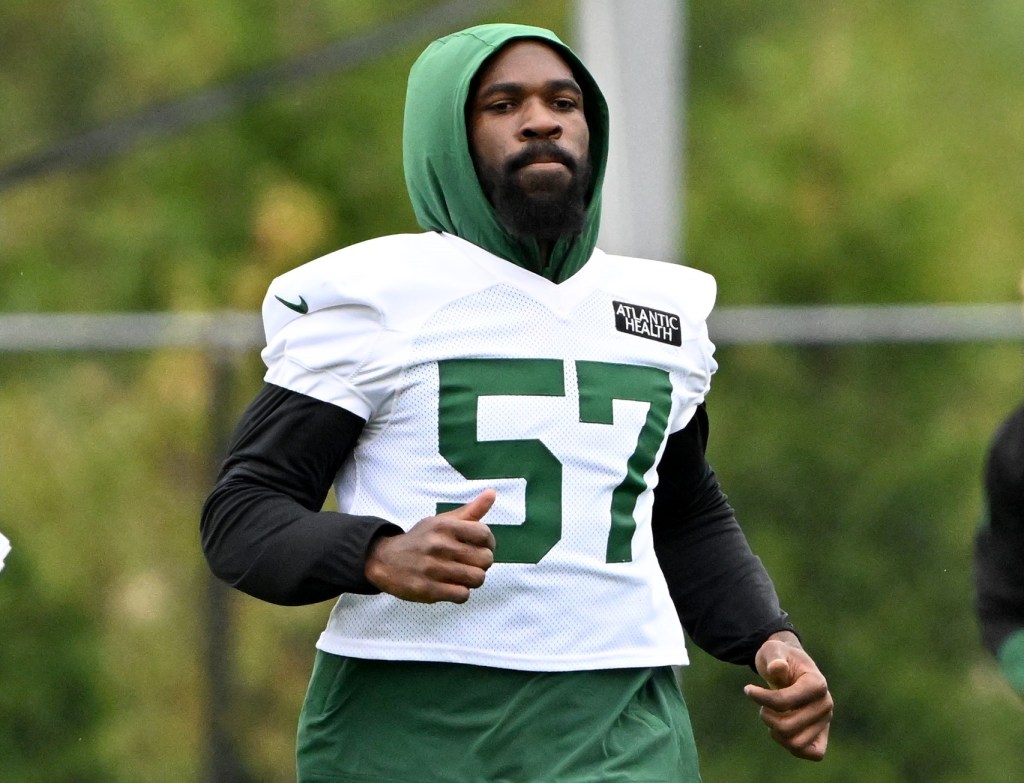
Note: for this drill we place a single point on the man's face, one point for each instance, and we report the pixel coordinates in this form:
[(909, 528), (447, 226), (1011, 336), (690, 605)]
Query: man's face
[(530, 142)]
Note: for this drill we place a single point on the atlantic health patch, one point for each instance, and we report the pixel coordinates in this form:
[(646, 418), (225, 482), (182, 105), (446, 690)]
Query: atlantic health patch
[(647, 322)]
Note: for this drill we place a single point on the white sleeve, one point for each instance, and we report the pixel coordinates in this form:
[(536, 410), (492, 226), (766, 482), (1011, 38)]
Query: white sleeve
[(5, 549), (337, 326), (696, 295), (327, 355)]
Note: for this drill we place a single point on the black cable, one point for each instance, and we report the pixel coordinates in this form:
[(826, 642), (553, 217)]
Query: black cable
[(175, 116)]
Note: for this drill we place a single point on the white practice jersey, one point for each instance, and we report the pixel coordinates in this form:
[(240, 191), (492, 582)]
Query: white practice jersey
[(471, 373)]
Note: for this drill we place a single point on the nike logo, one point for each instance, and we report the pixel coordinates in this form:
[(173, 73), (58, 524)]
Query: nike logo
[(300, 307)]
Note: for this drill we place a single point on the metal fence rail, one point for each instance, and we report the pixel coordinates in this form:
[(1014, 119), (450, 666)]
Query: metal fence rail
[(804, 325), (809, 325)]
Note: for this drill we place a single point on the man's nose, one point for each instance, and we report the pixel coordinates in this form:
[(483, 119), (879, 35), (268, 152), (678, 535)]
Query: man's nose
[(540, 121)]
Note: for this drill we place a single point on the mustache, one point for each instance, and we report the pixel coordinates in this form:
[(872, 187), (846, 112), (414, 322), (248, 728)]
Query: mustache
[(540, 150)]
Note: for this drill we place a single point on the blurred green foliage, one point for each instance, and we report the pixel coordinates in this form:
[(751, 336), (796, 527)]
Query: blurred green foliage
[(50, 708), (837, 153)]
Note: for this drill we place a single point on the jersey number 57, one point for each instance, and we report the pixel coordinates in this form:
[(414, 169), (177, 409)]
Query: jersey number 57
[(464, 381)]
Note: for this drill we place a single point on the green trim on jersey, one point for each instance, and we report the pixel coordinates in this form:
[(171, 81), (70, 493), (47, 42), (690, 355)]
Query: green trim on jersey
[(404, 722)]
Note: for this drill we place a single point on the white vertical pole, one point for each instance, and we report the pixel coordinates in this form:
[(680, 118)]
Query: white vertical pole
[(634, 48)]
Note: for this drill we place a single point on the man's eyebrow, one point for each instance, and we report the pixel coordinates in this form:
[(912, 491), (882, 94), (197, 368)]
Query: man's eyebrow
[(516, 88)]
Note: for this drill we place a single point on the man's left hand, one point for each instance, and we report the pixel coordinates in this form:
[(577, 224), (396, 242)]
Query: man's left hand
[(797, 707)]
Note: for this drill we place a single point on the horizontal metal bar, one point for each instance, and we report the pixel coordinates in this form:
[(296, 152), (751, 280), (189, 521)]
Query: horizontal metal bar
[(129, 331), (867, 324), (810, 325)]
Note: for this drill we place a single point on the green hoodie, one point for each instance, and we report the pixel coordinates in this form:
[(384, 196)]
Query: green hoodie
[(446, 194)]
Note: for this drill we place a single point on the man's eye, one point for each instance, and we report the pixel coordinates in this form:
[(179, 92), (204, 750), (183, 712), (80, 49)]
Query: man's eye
[(500, 107), (565, 104)]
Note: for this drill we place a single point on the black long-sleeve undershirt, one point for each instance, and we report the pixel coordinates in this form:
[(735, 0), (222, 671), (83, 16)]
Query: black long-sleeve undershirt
[(724, 597), (263, 532), (262, 528)]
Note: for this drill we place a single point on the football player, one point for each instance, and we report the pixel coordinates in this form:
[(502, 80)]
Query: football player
[(514, 425)]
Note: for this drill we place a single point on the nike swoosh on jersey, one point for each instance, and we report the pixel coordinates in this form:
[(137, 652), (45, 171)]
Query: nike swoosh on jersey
[(300, 307)]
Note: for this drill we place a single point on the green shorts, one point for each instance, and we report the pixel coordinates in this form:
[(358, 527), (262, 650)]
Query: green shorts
[(407, 722)]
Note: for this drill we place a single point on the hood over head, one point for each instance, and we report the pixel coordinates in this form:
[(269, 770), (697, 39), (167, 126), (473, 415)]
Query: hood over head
[(443, 185)]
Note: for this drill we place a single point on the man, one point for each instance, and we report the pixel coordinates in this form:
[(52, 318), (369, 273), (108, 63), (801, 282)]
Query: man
[(999, 551), (514, 425)]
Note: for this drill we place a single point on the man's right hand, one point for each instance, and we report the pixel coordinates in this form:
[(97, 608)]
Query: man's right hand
[(440, 558)]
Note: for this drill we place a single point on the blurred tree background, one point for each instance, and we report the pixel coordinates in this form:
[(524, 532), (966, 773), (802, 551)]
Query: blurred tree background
[(836, 154)]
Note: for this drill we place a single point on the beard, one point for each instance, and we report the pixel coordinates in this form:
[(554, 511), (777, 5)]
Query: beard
[(542, 206)]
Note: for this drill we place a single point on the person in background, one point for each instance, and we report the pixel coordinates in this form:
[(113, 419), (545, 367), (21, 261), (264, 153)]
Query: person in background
[(514, 425), (999, 551)]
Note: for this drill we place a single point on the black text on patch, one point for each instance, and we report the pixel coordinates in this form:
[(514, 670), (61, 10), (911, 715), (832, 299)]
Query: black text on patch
[(647, 322)]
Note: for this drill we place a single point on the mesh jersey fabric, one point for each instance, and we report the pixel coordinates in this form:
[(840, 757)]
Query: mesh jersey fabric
[(559, 406)]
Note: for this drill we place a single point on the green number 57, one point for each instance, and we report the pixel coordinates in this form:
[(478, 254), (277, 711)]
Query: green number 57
[(464, 381)]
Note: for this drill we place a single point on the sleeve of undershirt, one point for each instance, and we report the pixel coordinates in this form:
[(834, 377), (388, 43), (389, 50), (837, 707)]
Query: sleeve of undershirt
[(725, 599), (262, 528)]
